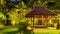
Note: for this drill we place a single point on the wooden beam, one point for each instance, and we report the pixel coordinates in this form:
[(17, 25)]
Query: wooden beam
[(42, 19), (33, 20), (47, 19)]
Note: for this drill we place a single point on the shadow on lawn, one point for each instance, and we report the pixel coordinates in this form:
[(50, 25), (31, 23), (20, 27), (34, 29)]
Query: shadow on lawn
[(14, 30), (2, 29), (10, 29)]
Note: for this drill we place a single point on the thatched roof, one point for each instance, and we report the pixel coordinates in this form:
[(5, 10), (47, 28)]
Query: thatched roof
[(40, 10)]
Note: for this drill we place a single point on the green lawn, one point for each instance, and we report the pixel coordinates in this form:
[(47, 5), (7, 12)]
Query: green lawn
[(46, 31), (10, 29), (16, 29)]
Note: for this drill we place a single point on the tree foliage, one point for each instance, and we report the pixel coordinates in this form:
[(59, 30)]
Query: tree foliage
[(25, 6)]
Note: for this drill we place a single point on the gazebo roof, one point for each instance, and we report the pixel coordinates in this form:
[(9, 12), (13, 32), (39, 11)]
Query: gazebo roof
[(40, 10)]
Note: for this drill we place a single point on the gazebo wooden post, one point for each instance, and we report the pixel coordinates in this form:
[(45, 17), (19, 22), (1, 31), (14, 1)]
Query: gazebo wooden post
[(42, 20), (48, 16), (26, 18), (33, 20), (47, 20)]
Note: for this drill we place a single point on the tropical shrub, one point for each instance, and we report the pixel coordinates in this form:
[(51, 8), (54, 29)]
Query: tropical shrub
[(24, 23), (39, 22), (50, 25)]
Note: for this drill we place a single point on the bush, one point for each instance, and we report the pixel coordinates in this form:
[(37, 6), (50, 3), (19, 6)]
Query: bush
[(55, 20), (23, 22), (51, 25), (39, 22)]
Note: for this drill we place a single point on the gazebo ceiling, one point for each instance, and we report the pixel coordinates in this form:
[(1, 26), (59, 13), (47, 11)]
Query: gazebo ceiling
[(40, 10)]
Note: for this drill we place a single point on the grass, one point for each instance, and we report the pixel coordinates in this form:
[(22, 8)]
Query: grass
[(46, 31), (16, 29), (10, 29)]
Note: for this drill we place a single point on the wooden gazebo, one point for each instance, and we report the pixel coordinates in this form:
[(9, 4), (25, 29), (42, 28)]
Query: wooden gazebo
[(39, 12)]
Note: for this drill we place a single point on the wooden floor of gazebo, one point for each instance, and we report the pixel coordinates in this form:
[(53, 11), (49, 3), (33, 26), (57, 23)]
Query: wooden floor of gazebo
[(40, 26)]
